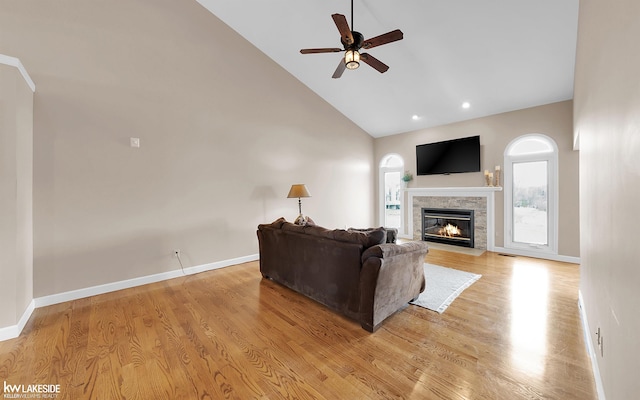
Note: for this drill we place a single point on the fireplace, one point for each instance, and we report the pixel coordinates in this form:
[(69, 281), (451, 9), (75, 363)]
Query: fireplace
[(449, 226), (479, 199)]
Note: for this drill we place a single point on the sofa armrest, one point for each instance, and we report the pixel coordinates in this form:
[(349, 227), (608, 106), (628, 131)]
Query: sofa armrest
[(391, 276), (389, 250)]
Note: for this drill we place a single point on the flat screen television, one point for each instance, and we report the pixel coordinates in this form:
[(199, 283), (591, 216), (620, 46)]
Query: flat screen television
[(449, 157)]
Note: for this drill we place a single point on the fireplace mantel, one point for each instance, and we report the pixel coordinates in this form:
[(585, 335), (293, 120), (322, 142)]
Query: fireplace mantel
[(487, 192), (454, 191)]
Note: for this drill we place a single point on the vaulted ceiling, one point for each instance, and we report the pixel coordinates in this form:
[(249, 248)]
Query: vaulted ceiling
[(497, 55)]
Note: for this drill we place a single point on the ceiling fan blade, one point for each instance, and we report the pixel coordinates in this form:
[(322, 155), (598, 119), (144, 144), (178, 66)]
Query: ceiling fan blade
[(341, 67), (321, 50), (374, 62), (383, 39), (343, 28)]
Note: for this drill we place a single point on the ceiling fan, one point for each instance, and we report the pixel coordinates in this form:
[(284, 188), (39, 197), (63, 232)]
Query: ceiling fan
[(353, 42)]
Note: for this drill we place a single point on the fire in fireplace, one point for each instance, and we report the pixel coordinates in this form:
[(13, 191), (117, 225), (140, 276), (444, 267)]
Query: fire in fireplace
[(449, 226)]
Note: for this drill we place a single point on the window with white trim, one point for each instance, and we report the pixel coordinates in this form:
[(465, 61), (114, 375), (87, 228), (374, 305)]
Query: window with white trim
[(391, 194), (531, 194)]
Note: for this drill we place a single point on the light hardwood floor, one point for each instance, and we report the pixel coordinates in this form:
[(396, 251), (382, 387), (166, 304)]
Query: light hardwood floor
[(227, 333)]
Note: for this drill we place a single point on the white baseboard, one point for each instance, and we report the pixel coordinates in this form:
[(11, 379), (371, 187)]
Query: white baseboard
[(533, 254), (525, 253), (143, 280), (590, 348), (14, 331)]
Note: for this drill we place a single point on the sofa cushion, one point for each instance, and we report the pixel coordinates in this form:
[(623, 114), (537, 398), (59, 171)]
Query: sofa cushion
[(390, 233), (277, 224), (288, 226), (315, 230), (366, 239)]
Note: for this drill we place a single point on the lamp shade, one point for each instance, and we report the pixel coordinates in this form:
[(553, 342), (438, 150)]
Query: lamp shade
[(298, 190)]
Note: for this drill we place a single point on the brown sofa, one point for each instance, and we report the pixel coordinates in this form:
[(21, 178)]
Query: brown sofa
[(355, 273)]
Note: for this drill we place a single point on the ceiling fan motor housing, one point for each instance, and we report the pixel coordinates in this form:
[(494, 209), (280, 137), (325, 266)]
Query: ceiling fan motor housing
[(358, 41)]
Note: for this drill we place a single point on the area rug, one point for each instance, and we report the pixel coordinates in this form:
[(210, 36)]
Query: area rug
[(444, 285)]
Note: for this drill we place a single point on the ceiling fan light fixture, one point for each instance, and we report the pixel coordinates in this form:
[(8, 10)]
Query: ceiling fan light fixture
[(352, 59)]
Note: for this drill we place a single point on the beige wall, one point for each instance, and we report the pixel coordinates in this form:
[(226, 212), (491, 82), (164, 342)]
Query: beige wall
[(16, 179), (496, 131), (607, 119), (224, 133)]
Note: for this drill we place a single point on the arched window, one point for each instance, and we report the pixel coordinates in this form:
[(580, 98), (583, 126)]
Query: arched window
[(531, 194), (391, 195)]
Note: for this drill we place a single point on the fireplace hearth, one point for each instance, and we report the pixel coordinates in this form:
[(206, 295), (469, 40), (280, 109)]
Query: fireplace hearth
[(448, 226)]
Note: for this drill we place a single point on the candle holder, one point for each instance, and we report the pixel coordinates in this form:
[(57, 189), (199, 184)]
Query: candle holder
[(487, 178), (497, 177)]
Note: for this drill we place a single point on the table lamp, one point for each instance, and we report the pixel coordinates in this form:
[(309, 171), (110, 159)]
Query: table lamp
[(299, 191)]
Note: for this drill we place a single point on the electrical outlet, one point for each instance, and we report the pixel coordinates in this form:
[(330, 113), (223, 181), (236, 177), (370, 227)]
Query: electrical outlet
[(600, 342), (176, 253)]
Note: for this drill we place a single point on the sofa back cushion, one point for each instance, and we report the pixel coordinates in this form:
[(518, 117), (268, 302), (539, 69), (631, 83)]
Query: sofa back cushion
[(391, 233), (288, 226), (368, 238), (277, 224)]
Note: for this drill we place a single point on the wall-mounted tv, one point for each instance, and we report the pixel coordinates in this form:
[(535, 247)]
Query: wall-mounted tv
[(449, 157)]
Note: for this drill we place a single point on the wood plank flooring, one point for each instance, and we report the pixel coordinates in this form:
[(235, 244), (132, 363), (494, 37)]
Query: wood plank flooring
[(229, 334)]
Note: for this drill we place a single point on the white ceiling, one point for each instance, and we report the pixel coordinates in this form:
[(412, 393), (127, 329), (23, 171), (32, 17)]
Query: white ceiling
[(498, 55)]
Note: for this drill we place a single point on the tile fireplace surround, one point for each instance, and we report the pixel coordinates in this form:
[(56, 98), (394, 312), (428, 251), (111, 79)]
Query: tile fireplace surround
[(479, 199)]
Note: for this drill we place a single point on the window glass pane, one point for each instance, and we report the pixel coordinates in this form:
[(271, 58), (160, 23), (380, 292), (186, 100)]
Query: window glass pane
[(530, 200), (530, 146), (392, 198), (392, 162)]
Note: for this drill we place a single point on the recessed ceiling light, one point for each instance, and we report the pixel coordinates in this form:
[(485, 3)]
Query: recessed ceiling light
[(466, 105), (415, 117)]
